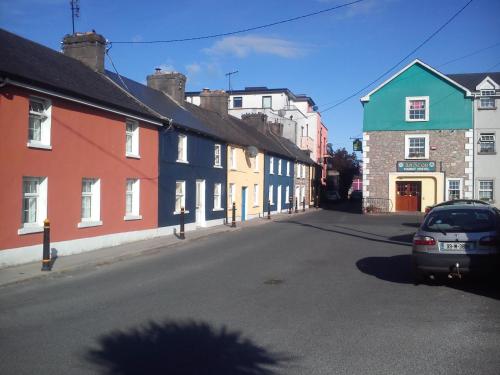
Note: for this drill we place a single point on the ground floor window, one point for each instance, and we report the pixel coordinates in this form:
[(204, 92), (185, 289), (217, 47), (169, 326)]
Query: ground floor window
[(255, 195), (454, 188), (180, 195), (486, 190), (217, 196), (34, 201), (271, 194)]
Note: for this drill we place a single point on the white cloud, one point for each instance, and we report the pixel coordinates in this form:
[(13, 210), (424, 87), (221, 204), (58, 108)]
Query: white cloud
[(242, 46), (193, 68)]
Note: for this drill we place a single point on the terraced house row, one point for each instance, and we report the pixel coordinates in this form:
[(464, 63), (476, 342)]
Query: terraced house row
[(430, 137), (110, 160)]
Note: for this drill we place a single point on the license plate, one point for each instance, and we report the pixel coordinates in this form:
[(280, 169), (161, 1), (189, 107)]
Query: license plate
[(455, 246)]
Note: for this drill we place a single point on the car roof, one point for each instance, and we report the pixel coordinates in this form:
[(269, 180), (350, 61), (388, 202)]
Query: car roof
[(464, 206)]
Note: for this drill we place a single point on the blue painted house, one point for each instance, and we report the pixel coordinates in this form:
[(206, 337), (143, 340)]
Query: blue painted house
[(278, 181)]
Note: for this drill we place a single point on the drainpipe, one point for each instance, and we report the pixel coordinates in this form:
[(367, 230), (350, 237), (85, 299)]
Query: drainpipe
[(473, 149)]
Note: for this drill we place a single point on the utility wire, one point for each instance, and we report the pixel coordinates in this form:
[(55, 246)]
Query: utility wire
[(469, 54), (400, 61), (210, 36)]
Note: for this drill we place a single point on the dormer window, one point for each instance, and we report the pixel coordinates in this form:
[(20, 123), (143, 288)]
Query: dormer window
[(487, 99), (417, 108)]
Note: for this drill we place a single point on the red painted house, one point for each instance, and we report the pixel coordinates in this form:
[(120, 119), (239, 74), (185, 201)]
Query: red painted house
[(75, 148)]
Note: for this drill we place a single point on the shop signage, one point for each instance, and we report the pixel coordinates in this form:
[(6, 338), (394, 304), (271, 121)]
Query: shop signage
[(416, 166)]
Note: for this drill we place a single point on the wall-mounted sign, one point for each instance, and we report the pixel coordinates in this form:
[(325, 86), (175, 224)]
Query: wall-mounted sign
[(416, 166), (357, 145)]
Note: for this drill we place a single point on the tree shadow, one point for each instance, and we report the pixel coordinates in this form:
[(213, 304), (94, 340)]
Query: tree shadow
[(398, 269), (183, 348)]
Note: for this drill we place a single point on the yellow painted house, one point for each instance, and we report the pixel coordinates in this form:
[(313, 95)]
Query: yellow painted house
[(245, 182)]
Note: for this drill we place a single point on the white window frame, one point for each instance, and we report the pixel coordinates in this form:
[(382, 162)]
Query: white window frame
[(182, 195), (288, 168), (479, 190), (460, 184), (232, 194), (271, 194), (490, 96), (217, 155), (279, 167), (45, 118), (303, 171), (271, 165), (133, 135), (135, 193), (95, 203), (182, 148), (241, 101), (40, 196), (407, 111), (256, 195), (287, 194), (217, 197), (407, 146), (486, 138), (256, 164), (270, 101), (302, 193), (232, 161)]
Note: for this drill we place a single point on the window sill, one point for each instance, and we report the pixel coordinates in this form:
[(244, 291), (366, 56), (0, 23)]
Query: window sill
[(132, 217), (417, 120), (86, 224), (29, 230), (42, 146), (132, 156), (255, 206), (487, 153), (233, 169), (217, 209), (416, 158), (182, 161), (218, 166), (178, 212), (487, 108)]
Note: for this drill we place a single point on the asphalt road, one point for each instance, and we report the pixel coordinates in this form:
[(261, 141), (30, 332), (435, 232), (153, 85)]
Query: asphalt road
[(328, 292)]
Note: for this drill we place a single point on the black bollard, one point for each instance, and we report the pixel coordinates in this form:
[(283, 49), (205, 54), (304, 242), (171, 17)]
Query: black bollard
[(233, 221), (317, 201), (182, 219), (269, 210), (304, 205), (46, 246), (290, 204), (296, 204)]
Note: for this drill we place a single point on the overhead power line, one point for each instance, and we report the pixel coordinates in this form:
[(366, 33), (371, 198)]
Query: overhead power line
[(400, 61), (210, 36), (470, 54)]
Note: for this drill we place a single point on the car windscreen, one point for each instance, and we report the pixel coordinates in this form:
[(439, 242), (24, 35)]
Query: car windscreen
[(460, 220)]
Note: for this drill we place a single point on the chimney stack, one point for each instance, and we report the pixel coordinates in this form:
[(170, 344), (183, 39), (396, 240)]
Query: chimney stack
[(216, 100), (171, 83), (86, 47), (258, 120)]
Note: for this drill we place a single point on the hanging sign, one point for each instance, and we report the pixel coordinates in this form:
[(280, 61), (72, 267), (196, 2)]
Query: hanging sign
[(357, 145)]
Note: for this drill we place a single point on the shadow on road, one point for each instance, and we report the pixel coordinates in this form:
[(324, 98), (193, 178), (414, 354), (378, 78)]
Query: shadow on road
[(182, 348), (343, 206), (397, 269)]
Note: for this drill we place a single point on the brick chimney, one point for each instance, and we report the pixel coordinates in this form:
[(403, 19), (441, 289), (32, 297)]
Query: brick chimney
[(216, 100), (86, 47), (171, 83)]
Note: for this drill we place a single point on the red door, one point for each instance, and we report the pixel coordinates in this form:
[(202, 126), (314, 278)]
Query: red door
[(408, 195)]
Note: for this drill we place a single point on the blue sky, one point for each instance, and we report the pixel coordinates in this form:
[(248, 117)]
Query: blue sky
[(327, 57)]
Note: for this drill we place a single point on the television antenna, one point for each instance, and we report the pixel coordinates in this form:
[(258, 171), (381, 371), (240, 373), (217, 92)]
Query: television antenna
[(228, 75), (75, 11)]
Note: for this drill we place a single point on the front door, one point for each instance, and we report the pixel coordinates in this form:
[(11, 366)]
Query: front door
[(243, 203), (278, 208), (408, 195), (200, 203)]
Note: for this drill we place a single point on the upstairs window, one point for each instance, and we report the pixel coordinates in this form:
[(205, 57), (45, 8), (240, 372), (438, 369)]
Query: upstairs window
[(182, 149), (232, 155), (267, 102), (417, 146), (487, 99), (417, 108), (39, 123), (288, 168), (132, 138), (217, 155), (271, 165), (487, 143), (238, 102), (256, 163), (279, 167)]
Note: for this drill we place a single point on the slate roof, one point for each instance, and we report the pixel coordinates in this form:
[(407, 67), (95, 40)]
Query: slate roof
[(31, 63), (471, 80)]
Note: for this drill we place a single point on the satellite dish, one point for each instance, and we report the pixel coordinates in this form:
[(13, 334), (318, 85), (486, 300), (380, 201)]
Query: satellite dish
[(252, 151)]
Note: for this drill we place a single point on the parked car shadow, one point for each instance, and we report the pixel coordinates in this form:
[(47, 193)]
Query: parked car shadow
[(184, 348), (397, 269)]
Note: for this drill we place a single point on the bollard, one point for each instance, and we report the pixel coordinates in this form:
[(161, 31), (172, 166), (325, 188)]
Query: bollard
[(290, 204), (233, 221), (268, 210), (46, 246), (181, 232), (296, 204), (303, 204), (317, 201)]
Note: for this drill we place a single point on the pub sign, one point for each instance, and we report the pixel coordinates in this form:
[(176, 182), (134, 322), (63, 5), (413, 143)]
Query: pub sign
[(416, 166)]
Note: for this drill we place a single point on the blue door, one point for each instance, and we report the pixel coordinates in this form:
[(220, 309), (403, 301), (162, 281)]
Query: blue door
[(243, 203)]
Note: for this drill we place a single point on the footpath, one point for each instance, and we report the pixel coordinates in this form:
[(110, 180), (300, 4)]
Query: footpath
[(20, 273)]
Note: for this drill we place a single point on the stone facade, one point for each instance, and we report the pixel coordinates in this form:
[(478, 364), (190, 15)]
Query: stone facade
[(450, 149), (302, 182)]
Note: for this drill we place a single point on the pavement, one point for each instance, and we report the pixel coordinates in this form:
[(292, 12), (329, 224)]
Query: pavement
[(20, 273)]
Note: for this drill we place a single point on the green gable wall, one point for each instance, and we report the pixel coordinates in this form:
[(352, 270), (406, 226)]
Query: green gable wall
[(448, 109)]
